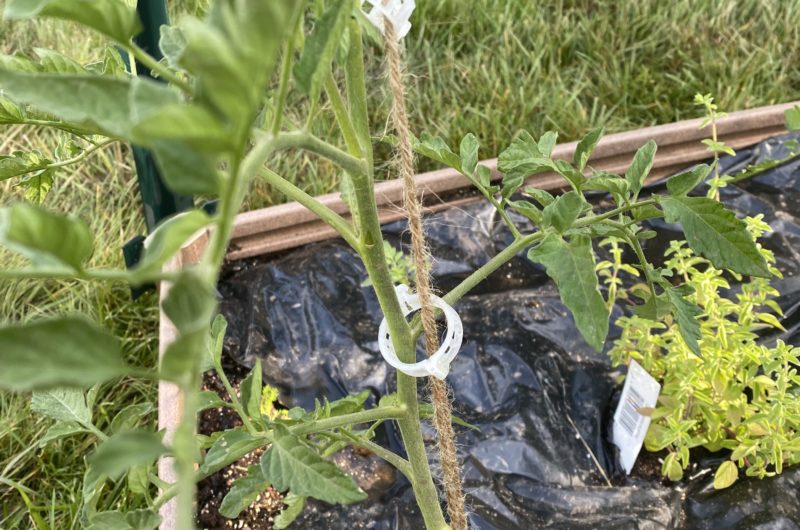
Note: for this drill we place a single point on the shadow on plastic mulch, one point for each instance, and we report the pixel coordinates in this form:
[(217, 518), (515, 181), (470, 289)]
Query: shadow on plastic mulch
[(524, 377)]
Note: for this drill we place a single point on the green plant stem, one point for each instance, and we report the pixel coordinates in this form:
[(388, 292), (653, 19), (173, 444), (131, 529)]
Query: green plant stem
[(235, 402), (356, 88), (716, 154), (490, 266), (761, 168), (309, 142), (375, 262), (501, 211), (372, 254), (69, 161), (591, 219), (159, 69), (637, 249), (342, 118), (519, 244), (312, 113), (354, 418), (107, 275), (401, 464), (184, 442), (286, 74), (71, 129), (97, 432), (83, 155), (185, 452), (330, 217)]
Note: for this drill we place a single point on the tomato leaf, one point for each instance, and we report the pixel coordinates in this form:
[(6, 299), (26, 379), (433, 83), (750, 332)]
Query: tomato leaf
[(291, 465), (294, 507), (686, 314), (583, 151), (63, 404), (640, 166), (125, 450), (435, 148), (187, 170), (320, 48), (686, 181), (47, 239), (113, 18), (229, 441), (523, 158), (243, 492), (250, 390), (167, 239), (469, 154), (68, 351), (792, 118), (107, 105), (715, 233), (563, 212), (572, 266)]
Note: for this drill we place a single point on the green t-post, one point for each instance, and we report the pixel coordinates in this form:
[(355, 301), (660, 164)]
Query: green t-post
[(159, 201)]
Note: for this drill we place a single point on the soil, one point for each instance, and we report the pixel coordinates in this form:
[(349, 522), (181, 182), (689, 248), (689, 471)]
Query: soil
[(371, 473), (210, 491)]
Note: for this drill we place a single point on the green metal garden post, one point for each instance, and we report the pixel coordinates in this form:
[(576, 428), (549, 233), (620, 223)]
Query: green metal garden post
[(159, 202)]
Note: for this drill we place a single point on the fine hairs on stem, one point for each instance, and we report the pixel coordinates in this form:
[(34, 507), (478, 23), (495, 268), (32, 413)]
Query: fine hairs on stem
[(420, 255)]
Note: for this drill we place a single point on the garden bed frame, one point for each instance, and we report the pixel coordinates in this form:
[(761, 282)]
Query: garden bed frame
[(277, 228)]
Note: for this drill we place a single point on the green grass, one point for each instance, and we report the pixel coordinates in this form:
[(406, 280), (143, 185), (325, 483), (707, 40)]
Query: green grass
[(491, 68)]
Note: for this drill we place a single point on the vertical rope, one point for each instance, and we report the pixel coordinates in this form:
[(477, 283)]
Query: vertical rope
[(419, 253)]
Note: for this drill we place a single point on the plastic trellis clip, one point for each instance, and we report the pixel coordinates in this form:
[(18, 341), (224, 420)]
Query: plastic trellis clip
[(438, 364), (397, 11)]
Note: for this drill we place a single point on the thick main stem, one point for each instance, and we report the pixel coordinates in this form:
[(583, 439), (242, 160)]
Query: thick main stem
[(375, 263), (442, 418)]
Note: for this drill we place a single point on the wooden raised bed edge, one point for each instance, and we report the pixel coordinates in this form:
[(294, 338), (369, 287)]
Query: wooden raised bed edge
[(269, 230)]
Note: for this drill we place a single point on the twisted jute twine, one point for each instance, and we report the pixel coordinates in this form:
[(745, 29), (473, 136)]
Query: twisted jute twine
[(419, 254)]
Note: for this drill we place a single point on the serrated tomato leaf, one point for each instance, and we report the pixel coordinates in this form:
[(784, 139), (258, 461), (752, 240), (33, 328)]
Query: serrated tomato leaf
[(437, 149), (523, 158), (107, 105), (687, 315), (468, 150), (167, 239), (572, 266), (229, 441), (715, 233), (250, 390), (63, 404), (291, 465)]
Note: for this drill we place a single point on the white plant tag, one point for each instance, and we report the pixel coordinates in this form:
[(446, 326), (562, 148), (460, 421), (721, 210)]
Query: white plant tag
[(630, 427)]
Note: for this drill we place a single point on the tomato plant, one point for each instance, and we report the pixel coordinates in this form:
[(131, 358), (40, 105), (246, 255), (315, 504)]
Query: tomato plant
[(213, 129)]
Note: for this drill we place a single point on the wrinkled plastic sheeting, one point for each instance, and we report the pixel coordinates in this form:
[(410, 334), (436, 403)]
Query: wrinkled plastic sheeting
[(541, 399)]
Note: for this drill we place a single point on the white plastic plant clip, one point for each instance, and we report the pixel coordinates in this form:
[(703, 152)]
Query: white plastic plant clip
[(397, 11), (438, 364)]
